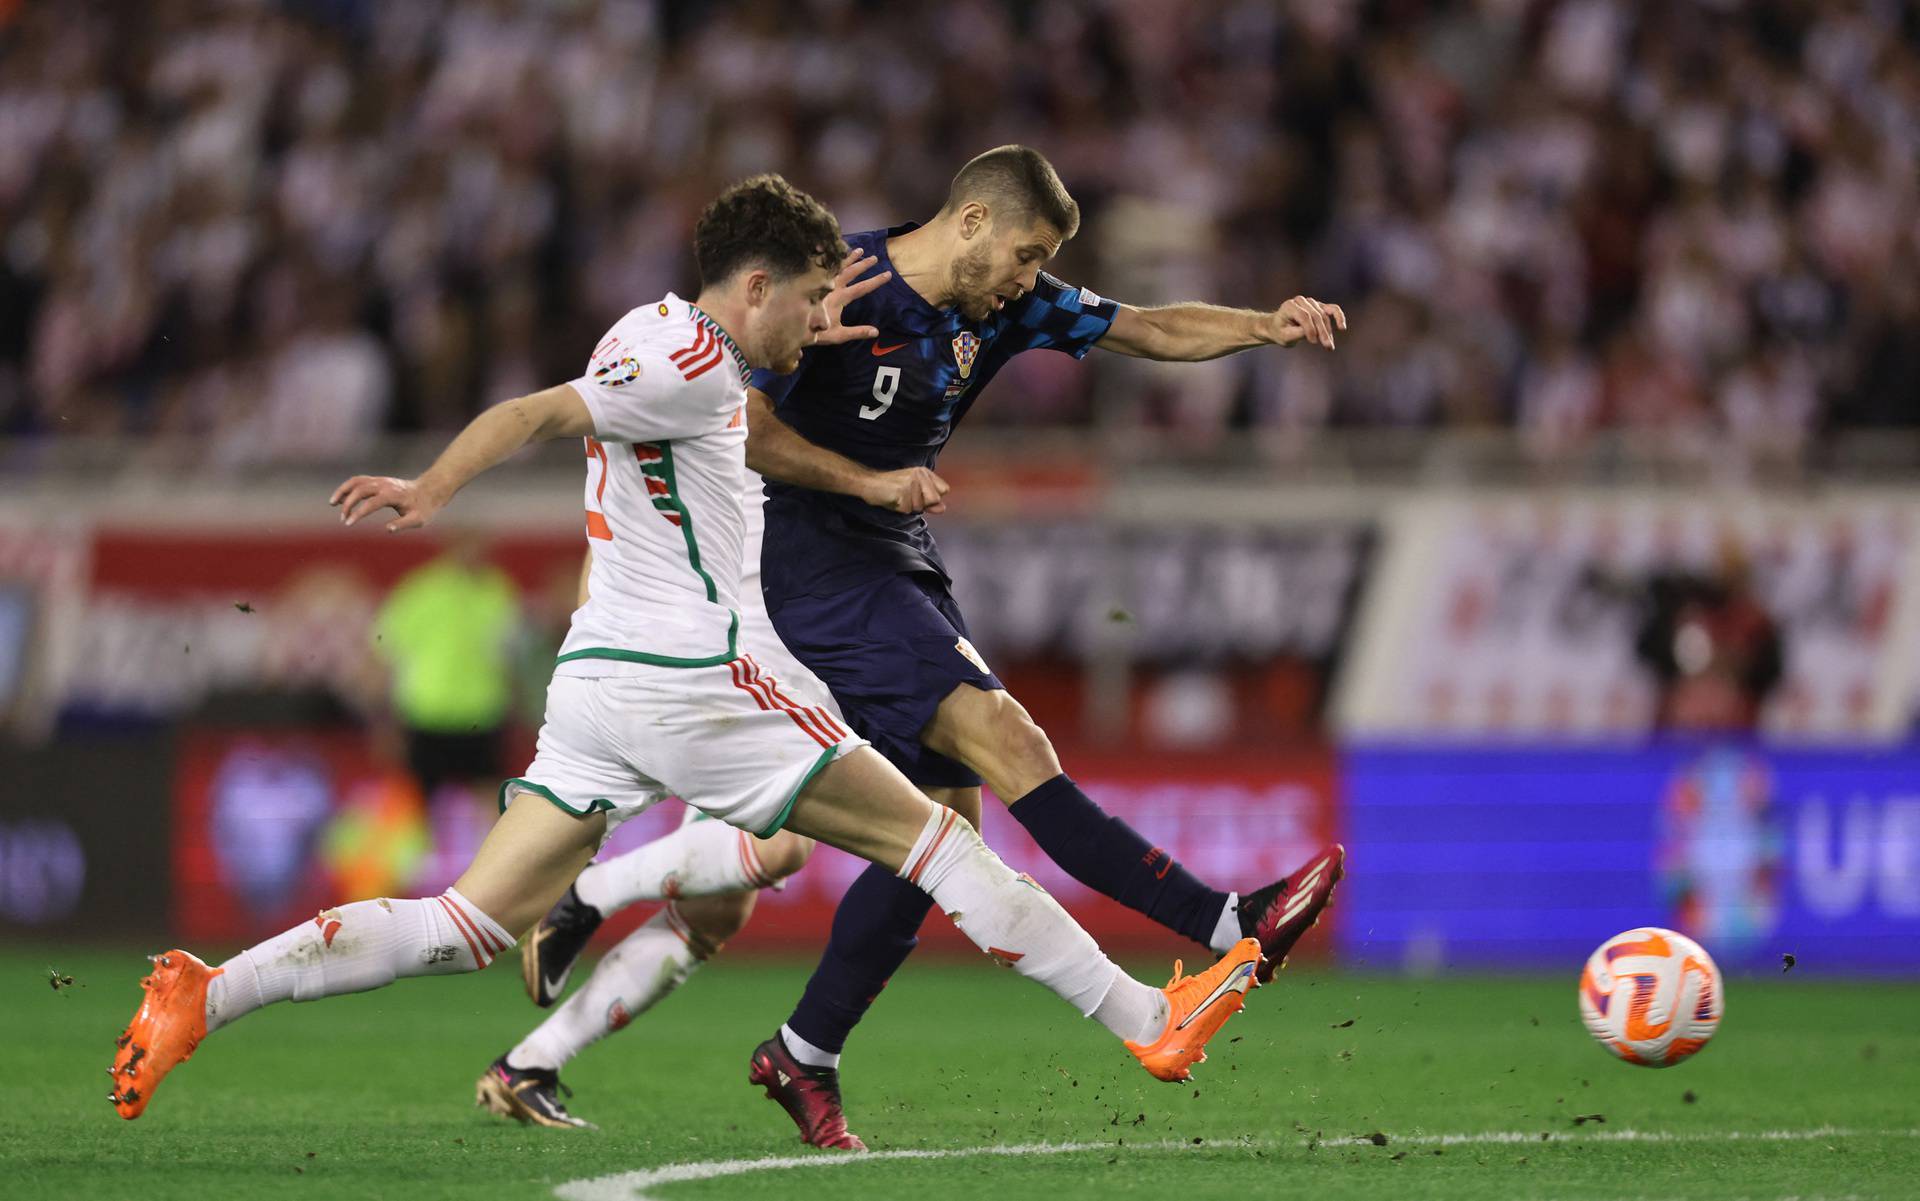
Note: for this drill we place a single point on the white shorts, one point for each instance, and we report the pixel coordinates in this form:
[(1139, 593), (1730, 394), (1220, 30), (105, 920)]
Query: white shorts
[(736, 742)]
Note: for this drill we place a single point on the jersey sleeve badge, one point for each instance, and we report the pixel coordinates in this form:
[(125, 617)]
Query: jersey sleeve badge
[(618, 373)]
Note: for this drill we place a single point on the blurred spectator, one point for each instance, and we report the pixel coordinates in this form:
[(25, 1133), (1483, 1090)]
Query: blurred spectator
[(448, 631), (1712, 648), (288, 226)]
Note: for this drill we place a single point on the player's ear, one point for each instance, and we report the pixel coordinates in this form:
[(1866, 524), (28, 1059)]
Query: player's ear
[(974, 219), (759, 285)]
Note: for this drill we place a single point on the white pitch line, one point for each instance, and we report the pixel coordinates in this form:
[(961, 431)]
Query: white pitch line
[(633, 1186), (1627, 1135)]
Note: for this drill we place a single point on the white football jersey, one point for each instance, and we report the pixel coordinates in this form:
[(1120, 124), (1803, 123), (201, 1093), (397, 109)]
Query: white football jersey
[(666, 473)]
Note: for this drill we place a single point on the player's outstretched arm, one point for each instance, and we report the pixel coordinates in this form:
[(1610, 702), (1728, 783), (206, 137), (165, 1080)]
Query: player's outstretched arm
[(558, 412), (1188, 333), (777, 451)]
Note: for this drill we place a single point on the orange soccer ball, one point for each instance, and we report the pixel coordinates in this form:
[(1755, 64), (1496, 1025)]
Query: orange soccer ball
[(1651, 996)]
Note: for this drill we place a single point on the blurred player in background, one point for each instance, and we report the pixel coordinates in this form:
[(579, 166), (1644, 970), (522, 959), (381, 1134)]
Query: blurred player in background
[(654, 694), (447, 633), (857, 590)]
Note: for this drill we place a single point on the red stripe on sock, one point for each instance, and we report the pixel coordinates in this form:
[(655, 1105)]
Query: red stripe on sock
[(676, 923), (940, 836), (483, 953), (488, 938), (750, 859), (453, 914), (488, 943)]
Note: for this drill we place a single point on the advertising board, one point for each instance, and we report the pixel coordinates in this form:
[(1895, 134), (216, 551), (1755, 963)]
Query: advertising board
[(272, 825), (1503, 857)]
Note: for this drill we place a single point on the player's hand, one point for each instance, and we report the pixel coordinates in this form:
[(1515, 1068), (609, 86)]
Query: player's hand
[(908, 490), (365, 495), (847, 288), (1304, 318)]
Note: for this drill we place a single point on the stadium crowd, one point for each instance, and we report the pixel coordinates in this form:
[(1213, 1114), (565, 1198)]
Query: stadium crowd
[(282, 228)]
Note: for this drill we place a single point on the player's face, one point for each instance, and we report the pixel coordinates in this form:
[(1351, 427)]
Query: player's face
[(1000, 266), (794, 311)]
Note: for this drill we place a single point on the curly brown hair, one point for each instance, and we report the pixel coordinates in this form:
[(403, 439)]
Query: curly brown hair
[(765, 222)]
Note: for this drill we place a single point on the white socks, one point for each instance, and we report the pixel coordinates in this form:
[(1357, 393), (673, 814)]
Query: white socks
[(806, 1052), (647, 965), (700, 859), (368, 944), (1013, 920), (1226, 932), (1137, 1013)]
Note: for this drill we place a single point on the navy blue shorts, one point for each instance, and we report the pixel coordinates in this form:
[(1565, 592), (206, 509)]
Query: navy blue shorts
[(890, 651)]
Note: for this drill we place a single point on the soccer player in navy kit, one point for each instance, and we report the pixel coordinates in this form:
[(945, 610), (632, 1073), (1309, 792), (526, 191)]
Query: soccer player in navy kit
[(859, 593)]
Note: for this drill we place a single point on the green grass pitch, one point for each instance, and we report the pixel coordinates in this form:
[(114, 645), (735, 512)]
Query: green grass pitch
[(1332, 1086)]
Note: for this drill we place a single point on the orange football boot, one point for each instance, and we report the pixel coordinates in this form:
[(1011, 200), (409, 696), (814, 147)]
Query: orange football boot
[(169, 1024), (1197, 1006)]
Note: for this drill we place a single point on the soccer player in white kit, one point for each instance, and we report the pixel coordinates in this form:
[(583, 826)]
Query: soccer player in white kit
[(654, 694), (706, 871)]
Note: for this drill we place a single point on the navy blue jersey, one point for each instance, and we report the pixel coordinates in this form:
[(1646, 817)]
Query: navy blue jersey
[(892, 403)]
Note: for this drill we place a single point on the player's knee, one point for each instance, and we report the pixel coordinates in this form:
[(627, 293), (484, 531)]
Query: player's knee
[(964, 801), (784, 854), (711, 921)]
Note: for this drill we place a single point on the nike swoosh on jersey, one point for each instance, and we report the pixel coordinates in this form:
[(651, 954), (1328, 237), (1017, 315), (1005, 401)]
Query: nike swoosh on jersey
[(879, 350)]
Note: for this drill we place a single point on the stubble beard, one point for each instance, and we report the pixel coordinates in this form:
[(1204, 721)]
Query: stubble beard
[(968, 283)]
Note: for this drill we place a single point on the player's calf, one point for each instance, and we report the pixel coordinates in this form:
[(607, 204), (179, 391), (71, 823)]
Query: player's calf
[(711, 921), (347, 949), (784, 854), (636, 975), (701, 861)]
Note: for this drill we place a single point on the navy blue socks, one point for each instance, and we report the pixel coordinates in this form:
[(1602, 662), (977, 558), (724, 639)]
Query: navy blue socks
[(1108, 856), (874, 930)]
